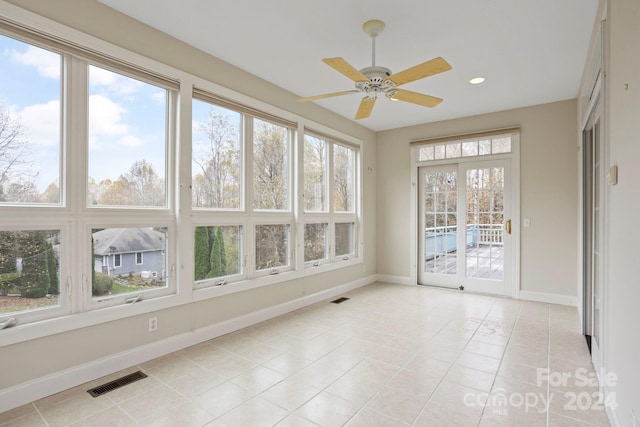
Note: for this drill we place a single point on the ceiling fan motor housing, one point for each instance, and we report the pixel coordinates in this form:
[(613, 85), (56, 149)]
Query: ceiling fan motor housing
[(378, 81)]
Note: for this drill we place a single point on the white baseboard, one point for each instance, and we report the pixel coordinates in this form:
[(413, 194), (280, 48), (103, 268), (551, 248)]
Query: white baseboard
[(397, 280), (548, 298), (56, 382)]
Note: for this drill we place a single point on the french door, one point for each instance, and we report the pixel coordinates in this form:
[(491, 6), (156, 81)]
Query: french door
[(465, 226)]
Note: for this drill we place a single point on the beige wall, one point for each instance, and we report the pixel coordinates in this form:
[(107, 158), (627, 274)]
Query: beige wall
[(622, 282), (548, 192), (33, 359)]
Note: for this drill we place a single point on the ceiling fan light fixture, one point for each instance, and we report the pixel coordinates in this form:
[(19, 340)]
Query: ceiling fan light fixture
[(477, 80)]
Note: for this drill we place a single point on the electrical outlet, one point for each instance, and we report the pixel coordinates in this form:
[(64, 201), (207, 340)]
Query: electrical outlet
[(153, 324)]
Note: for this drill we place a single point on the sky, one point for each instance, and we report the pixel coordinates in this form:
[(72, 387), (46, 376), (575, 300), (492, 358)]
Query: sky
[(126, 117)]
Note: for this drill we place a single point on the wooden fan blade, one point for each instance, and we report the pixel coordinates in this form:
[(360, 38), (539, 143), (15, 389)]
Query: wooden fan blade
[(343, 67), (326, 95), (426, 69), (366, 105), (416, 98)]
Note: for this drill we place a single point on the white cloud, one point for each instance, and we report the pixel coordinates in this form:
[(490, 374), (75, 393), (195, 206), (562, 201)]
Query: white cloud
[(105, 118), (130, 141), (47, 63), (112, 82), (41, 123), (159, 98)]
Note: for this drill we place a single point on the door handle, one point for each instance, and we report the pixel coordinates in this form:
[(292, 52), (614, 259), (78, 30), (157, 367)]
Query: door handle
[(508, 226)]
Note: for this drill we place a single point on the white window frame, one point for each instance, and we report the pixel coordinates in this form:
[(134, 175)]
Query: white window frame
[(141, 258), (75, 218)]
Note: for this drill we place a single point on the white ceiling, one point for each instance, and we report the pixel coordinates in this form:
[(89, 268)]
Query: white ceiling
[(530, 51)]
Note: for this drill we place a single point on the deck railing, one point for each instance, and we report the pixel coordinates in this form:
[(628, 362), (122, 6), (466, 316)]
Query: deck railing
[(439, 240)]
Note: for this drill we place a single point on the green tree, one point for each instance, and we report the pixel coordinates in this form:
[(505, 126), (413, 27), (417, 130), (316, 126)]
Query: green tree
[(202, 253), (218, 257), (8, 268), (52, 265), (35, 280)]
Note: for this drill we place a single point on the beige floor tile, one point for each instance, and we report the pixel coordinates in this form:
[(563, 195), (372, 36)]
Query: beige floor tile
[(318, 375), (222, 398), (524, 373), (507, 416), (72, 410), (29, 420), (556, 420), (287, 363), (436, 414), (18, 412), (459, 398), (428, 366), (231, 367), (470, 377), (111, 417), (295, 420), (328, 410), (151, 403), (415, 383), (255, 412), (394, 356), (397, 405), (258, 379), (479, 362), (369, 418), (290, 394), (260, 353), (580, 403), (484, 349)]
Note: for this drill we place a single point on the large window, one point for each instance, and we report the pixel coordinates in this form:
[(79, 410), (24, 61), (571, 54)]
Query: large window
[(127, 141), (30, 123), (331, 232), (216, 152), (242, 233), (94, 155)]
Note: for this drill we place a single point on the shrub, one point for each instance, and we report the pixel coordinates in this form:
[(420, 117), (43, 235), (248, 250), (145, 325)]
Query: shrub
[(102, 284)]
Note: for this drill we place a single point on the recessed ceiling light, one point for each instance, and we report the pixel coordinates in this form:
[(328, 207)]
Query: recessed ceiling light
[(476, 80)]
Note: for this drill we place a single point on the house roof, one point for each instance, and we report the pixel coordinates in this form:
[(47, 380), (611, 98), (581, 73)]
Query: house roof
[(126, 240)]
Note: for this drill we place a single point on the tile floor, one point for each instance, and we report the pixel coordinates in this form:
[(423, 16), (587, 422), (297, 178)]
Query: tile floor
[(391, 355)]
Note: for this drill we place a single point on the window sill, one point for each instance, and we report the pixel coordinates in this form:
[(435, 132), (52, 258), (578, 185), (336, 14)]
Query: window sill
[(65, 323)]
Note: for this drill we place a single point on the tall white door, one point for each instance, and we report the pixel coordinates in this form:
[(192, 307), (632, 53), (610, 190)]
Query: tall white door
[(465, 226)]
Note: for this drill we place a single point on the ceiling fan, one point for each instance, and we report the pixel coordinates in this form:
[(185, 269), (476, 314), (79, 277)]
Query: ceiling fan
[(375, 80)]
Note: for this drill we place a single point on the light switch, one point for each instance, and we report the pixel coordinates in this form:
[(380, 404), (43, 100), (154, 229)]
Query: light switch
[(526, 222)]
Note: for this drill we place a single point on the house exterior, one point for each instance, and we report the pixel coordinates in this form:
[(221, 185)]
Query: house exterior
[(124, 251)]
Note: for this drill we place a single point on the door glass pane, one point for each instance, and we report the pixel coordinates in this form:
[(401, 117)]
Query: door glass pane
[(440, 233), (485, 227)]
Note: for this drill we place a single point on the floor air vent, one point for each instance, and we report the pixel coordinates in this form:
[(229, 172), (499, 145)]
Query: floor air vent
[(339, 300), (115, 384)]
